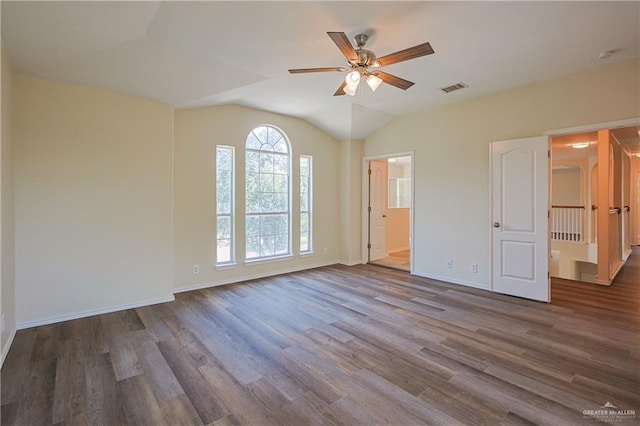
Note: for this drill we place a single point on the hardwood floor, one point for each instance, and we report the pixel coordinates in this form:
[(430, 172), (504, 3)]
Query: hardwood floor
[(357, 345)]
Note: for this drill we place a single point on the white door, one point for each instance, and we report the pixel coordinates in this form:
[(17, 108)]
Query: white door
[(378, 214), (520, 204)]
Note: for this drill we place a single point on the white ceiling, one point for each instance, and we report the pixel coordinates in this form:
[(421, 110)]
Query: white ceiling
[(194, 54)]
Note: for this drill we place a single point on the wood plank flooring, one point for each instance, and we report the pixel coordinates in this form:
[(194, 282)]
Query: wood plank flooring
[(359, 345)]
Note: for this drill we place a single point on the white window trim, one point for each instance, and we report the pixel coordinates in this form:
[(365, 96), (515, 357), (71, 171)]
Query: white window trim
[(269, 259), (226, 265)]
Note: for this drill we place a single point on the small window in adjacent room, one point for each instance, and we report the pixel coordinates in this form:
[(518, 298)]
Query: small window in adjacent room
[(306, 194), (399, 175), (268, 194), (225, 205)]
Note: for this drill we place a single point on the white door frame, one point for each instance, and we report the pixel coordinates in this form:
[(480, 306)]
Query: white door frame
[(365, 202), (594, 127)]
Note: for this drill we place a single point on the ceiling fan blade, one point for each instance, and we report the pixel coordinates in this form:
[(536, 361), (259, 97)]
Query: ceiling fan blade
[(327, 69), (398, 82), (406, 54), (340, 90), (343, 43)]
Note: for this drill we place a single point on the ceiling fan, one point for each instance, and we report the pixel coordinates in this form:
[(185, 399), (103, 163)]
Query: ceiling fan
[(364, 64)]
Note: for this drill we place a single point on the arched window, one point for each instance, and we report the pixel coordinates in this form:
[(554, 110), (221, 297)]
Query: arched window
[(268, 194)]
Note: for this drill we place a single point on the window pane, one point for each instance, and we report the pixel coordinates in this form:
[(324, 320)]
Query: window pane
[(280, 183), (305, 203), (282, 244), (267, 225), (253, 226), (281, 164), (282, 223), (273, 136), (223, 160), (266, 182), (280, 202), (253, 162), (281, 146), (224, 204), (267, 193), (224, 227), (253, 202), (253, 247), (267, 245), (253, 182), (266, 162), (267, 204), (253, 142), (261, 134), (224, 251)]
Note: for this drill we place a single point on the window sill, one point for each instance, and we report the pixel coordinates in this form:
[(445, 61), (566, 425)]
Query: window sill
[(267, 260), (225, 266), (307, 254)]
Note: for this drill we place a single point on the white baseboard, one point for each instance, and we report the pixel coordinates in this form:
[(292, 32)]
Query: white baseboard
[(350, 263), (452, 280), (193, 287), (84, 314), (7, 346)]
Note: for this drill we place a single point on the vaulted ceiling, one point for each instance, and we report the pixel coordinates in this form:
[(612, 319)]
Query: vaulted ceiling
[(194, 54)]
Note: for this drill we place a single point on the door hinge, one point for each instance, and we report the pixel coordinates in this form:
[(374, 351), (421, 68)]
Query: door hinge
[(548, 214), (548, 275), (369, 245), (369, 171), (548, 153), (369, 209)]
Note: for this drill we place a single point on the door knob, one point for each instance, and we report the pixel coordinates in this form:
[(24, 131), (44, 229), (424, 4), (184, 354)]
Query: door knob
[(496, 224), (384, 215)]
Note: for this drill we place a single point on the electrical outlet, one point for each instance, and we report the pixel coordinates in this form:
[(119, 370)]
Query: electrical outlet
[(195, 269), (325, 250), (450, 263), (474, 267)]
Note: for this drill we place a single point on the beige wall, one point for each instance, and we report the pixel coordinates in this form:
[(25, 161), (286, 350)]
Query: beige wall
[(197, 132), (350, 201), (451, 146), (566, 187), (93, 200), (7, 248)]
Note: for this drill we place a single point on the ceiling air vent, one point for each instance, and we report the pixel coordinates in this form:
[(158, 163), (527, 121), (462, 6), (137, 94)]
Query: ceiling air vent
[(453, 88)]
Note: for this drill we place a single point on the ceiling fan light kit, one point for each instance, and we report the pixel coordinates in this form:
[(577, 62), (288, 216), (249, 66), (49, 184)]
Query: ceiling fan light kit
[(373, 82), (363, 64)]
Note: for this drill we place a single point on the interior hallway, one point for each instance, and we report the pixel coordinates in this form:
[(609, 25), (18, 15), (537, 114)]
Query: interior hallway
[(397, 260)]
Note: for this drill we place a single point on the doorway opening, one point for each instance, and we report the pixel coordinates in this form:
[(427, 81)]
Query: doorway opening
[(389, 207), (593, 201)]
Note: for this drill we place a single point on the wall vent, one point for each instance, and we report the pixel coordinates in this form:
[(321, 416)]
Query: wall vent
[(453, 88)]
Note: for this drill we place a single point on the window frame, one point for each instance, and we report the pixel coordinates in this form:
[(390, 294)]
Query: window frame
[(232, 210), (288, 212)]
